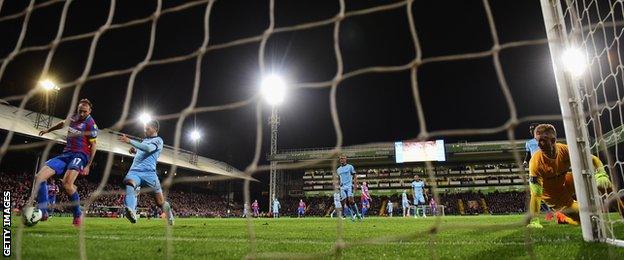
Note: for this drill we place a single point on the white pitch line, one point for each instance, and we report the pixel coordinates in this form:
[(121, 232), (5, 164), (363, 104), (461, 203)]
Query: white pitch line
[(300, 241)]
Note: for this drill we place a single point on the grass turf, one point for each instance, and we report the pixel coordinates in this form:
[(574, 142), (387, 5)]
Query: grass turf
[(483, 237)]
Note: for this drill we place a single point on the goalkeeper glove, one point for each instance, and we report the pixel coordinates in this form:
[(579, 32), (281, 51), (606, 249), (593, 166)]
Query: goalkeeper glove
[(602, 180)]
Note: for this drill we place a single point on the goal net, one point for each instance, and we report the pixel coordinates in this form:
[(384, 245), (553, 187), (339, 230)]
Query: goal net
[(594, 27), (590, 93)]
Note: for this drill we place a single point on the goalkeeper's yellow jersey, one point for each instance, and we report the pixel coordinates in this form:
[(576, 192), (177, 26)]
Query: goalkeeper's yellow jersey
[(551, 173)]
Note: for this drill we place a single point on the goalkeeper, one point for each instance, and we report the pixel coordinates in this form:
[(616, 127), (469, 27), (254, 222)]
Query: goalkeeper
[(551, 179)]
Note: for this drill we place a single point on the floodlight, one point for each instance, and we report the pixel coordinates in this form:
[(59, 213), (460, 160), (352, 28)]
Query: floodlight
[(145, 118), (48, 84), (574, 61), (195, 135), (273, 88)]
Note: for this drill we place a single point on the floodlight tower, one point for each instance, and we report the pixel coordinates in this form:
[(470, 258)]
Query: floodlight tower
[(273, 89), (195, 136), (47, 103)]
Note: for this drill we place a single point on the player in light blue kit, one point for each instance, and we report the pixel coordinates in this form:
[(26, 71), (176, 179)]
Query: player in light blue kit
[(348, 181), (390, 207), (245, 210), (276, 208), (530, 146), (143, 171), (337, 206), (405, 204), (418, 186)]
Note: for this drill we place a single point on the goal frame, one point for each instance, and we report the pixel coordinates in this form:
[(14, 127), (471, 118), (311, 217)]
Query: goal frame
[(577, 137)]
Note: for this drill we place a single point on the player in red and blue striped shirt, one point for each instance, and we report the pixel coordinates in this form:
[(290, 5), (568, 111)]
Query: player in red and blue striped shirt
[(52, 191), (75, 160), (256, 208), (366, 199), (301, 208)]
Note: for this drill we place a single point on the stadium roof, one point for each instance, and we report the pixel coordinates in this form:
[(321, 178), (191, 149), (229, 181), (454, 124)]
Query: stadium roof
[(107, 141)]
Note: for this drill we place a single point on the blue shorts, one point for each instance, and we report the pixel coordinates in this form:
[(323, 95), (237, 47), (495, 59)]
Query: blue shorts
[(68, 161), (145, 179), (51, 199), (405, 204), (419, 199), (365, 202), (346, 192), (301, 211)]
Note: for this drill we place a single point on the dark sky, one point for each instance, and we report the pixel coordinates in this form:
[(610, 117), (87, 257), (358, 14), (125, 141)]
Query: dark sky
[(372, 107)]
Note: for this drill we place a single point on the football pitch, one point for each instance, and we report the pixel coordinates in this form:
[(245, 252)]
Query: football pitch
[(459, 237)]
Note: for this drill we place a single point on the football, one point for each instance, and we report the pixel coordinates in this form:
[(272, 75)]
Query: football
[(30, 216)]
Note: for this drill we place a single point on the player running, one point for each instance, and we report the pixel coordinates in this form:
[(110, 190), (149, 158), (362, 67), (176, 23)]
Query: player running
[(550, 179), (143, 172), (366, 199), (301, 208), (405, 204), (75, 160), (276, 208), (390, 207), (418, 186), (348, 181), (256, 208)]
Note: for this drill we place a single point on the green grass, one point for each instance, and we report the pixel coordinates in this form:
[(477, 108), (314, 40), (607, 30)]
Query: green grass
[(470, 237)]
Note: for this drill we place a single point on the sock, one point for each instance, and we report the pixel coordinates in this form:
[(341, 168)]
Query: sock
[(534, 205), (42, 198), (167, 208), (130, 200), (346, 211), (364, 210), (75, 199)]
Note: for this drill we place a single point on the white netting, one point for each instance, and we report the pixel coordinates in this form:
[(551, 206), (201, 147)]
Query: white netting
[(413, 66), (596, 27)]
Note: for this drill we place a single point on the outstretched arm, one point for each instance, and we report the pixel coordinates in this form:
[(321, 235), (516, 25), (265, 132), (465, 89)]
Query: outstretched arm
[(87, 168), (148, 148), (537, 190), (58, 126)]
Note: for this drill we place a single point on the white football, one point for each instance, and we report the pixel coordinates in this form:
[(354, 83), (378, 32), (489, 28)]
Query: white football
[(31, 215)]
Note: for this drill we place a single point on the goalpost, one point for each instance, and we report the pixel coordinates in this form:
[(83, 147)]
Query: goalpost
[(590, 101)]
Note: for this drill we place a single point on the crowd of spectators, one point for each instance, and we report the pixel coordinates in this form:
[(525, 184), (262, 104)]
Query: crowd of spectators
[(197, 204), (110, 201), (506, 202)]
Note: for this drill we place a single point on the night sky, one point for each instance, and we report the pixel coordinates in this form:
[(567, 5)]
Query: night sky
[(372, 108)]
